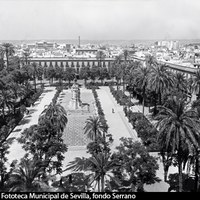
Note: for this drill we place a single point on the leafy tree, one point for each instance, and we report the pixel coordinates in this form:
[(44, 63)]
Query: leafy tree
[(44, 141), (136, 166), (94, 72), (40, 73), (4, 150), (84, 73), (50, 73), (69, 74), (111, 71), (59, 74), (74, 182), (103, 74)]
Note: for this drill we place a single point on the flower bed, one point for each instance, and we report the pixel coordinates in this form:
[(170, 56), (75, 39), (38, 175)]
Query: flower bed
[(100, 110), (145, 130)]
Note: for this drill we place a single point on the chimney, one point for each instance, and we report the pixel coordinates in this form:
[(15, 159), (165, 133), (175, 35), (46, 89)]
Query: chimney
[(79, 41)]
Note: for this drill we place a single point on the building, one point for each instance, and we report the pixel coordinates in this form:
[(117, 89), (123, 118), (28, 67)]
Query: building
[(31, 46), (84, 51), (171, 45), (45, 45)]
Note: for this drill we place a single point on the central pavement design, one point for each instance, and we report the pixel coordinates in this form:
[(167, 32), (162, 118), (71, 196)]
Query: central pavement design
[(74, 132), (118, 125)]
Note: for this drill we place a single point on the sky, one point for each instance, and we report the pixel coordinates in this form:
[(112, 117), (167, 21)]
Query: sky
[(99, 19)]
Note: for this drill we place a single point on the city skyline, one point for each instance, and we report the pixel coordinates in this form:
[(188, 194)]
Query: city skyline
[(99, 19)]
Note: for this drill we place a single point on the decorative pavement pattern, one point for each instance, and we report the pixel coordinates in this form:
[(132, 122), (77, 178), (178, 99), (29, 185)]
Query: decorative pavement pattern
[(74, 132)]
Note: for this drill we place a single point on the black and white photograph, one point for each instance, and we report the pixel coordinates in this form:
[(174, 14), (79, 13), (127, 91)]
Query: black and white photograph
[(99, 99)]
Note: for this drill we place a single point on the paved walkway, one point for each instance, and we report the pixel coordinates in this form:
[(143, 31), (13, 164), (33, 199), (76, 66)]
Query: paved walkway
[(16, 151), (120, 127), (117, 122)]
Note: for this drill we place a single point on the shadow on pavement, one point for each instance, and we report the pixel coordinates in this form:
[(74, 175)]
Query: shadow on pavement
[(46, 91), (35, 104), (31, 111), (17, 130), (24, 121)]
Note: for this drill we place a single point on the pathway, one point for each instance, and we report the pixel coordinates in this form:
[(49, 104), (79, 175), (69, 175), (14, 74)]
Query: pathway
[(16, 151), (120, 127), (117, 122), (138, 108)]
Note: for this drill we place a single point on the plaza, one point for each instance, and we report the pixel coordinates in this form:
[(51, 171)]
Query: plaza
[(73, 134)]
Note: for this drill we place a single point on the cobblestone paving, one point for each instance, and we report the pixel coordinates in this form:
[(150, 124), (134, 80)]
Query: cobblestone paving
[(74, 132)]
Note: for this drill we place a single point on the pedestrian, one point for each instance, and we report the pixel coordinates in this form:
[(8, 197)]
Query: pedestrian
[(113, 111)]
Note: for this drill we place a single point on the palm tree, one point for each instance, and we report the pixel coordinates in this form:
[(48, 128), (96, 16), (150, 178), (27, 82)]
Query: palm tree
[(40, 73), (117, 69), (34, 74), (18, 92), (178, 131), (7, 97), (54, 115), (125, 54), (180, 82), (93, 128), (150, 60), (8, 50), (99, 164), (100, 56), (125, 71), (1, 59), (26, 55), (26, 177), (161, 80), (192, 162), (196, 83), (142, 79)]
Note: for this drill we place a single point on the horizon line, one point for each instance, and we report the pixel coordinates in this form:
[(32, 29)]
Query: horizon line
[(100, 39)]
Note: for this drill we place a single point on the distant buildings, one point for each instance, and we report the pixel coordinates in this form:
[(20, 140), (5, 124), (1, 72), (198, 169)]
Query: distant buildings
[(83, 51), (45, 45), (171, 45)]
